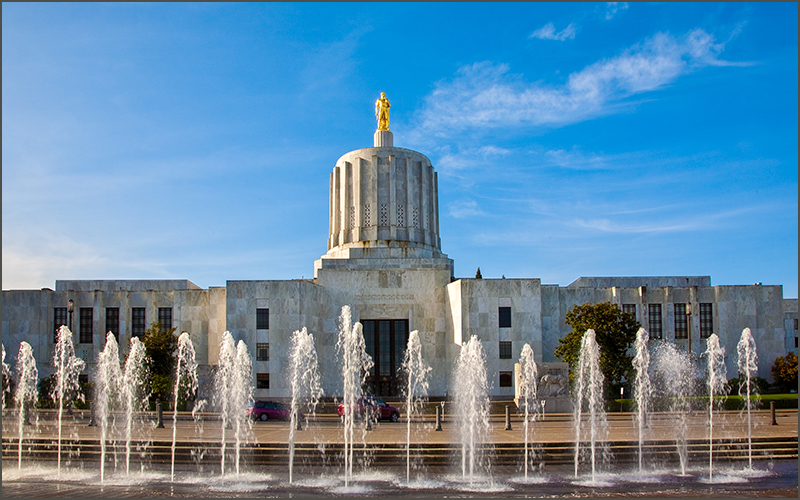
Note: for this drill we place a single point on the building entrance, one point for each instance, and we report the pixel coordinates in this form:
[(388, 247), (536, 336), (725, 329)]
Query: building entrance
[(385, 341)]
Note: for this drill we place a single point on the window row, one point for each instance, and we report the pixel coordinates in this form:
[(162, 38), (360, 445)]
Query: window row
[(61, 316), (681, 315)]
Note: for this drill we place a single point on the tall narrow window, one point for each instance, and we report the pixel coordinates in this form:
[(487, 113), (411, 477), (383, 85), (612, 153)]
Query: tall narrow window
[(385, 341), (262, 380), (112, 321), (706, 320), (262, 319), (504, 317), (165, 317), (629, 308), (59, 320), (505, 350), (86, 325), (681, 322), (262, 351), (654, 317), (137, 322)]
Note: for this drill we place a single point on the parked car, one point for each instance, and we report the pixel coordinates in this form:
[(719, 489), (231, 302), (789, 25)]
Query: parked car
[(377, 408), (270, 410)]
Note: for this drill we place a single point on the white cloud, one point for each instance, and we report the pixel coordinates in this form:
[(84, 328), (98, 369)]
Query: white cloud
[(548, 32), (486, 94), (465, 208), (613, 7)]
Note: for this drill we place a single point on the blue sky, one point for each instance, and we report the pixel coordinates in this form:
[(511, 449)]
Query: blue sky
[(195, 141)]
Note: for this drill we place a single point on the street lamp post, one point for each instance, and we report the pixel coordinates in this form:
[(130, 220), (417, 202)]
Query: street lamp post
[(70, 310)]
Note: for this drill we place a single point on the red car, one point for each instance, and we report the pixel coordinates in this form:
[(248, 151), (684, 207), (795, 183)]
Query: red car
[(270, 410), (376, 407)]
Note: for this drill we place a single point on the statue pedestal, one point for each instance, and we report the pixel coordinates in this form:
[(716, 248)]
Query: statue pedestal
[(383, 139)]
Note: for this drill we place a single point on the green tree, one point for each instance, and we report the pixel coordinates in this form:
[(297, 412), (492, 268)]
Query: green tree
[(160, 344), (784, 372), (615, 332)]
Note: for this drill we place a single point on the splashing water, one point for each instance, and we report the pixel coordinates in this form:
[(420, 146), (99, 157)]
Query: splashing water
[(642, 388), (108, 377), (27, 376), (356, 364), (67, 368), (6, 377), (673, 368), (528, 375), (717, 381), (185, 385), (233, 392), (589, 388), (134, 394), (471, 399), (748, 366), (306, 383), (416, 371)]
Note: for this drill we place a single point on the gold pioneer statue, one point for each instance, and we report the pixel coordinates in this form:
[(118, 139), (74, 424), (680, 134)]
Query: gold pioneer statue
[(382, 112)]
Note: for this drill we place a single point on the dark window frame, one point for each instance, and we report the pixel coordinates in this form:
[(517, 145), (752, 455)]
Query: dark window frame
[(505, 349), (506, 379), (389, 337), (655, 321), (59, 320), (681, 321), (262, 380), (629, 308), (112, 321), (504, 317), (262, 318), (86, 325), (165, 317), (138, 321), (706, 319), (261, 348)]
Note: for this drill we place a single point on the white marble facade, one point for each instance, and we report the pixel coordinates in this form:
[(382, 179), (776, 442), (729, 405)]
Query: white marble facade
[(384, 259)]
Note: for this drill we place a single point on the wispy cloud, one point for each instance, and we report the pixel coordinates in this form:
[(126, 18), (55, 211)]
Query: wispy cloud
[(613, 7), (548, 32), (465, 208), (487, 94)]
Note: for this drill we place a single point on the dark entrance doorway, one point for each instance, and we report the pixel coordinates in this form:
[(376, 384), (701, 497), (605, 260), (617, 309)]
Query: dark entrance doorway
[(385, 341)]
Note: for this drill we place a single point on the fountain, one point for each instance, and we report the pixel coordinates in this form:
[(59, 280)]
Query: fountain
[(233, 392), (356, 364), (107, 388), (471, 399), (134, 394), (416, 372), (185, 386), (589, 388), (67, 368), (673, 369), (305, 381), (642, 389), (27, 376), (748, 366), (6, 378), (717, 382), (527, 393)]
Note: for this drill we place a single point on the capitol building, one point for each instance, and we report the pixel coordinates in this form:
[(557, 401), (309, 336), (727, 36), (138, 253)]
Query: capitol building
[(385, 261)]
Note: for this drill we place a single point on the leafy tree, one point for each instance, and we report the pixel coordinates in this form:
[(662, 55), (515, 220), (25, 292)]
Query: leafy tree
[(478, 275), (615, 333), (160, 345), (784, 372)]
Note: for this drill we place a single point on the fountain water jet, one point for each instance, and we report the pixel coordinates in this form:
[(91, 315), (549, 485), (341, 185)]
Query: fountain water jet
[(717, 381), (673, 368), (589, 387), (6, 377), (416, 371), (748, 366), (528, 375), (233, 392), (108, 378), (27, 376), (186, 385), (471, 399), (642, 388), (67, 368), (133, 392), (356, 364), (306, 383)]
